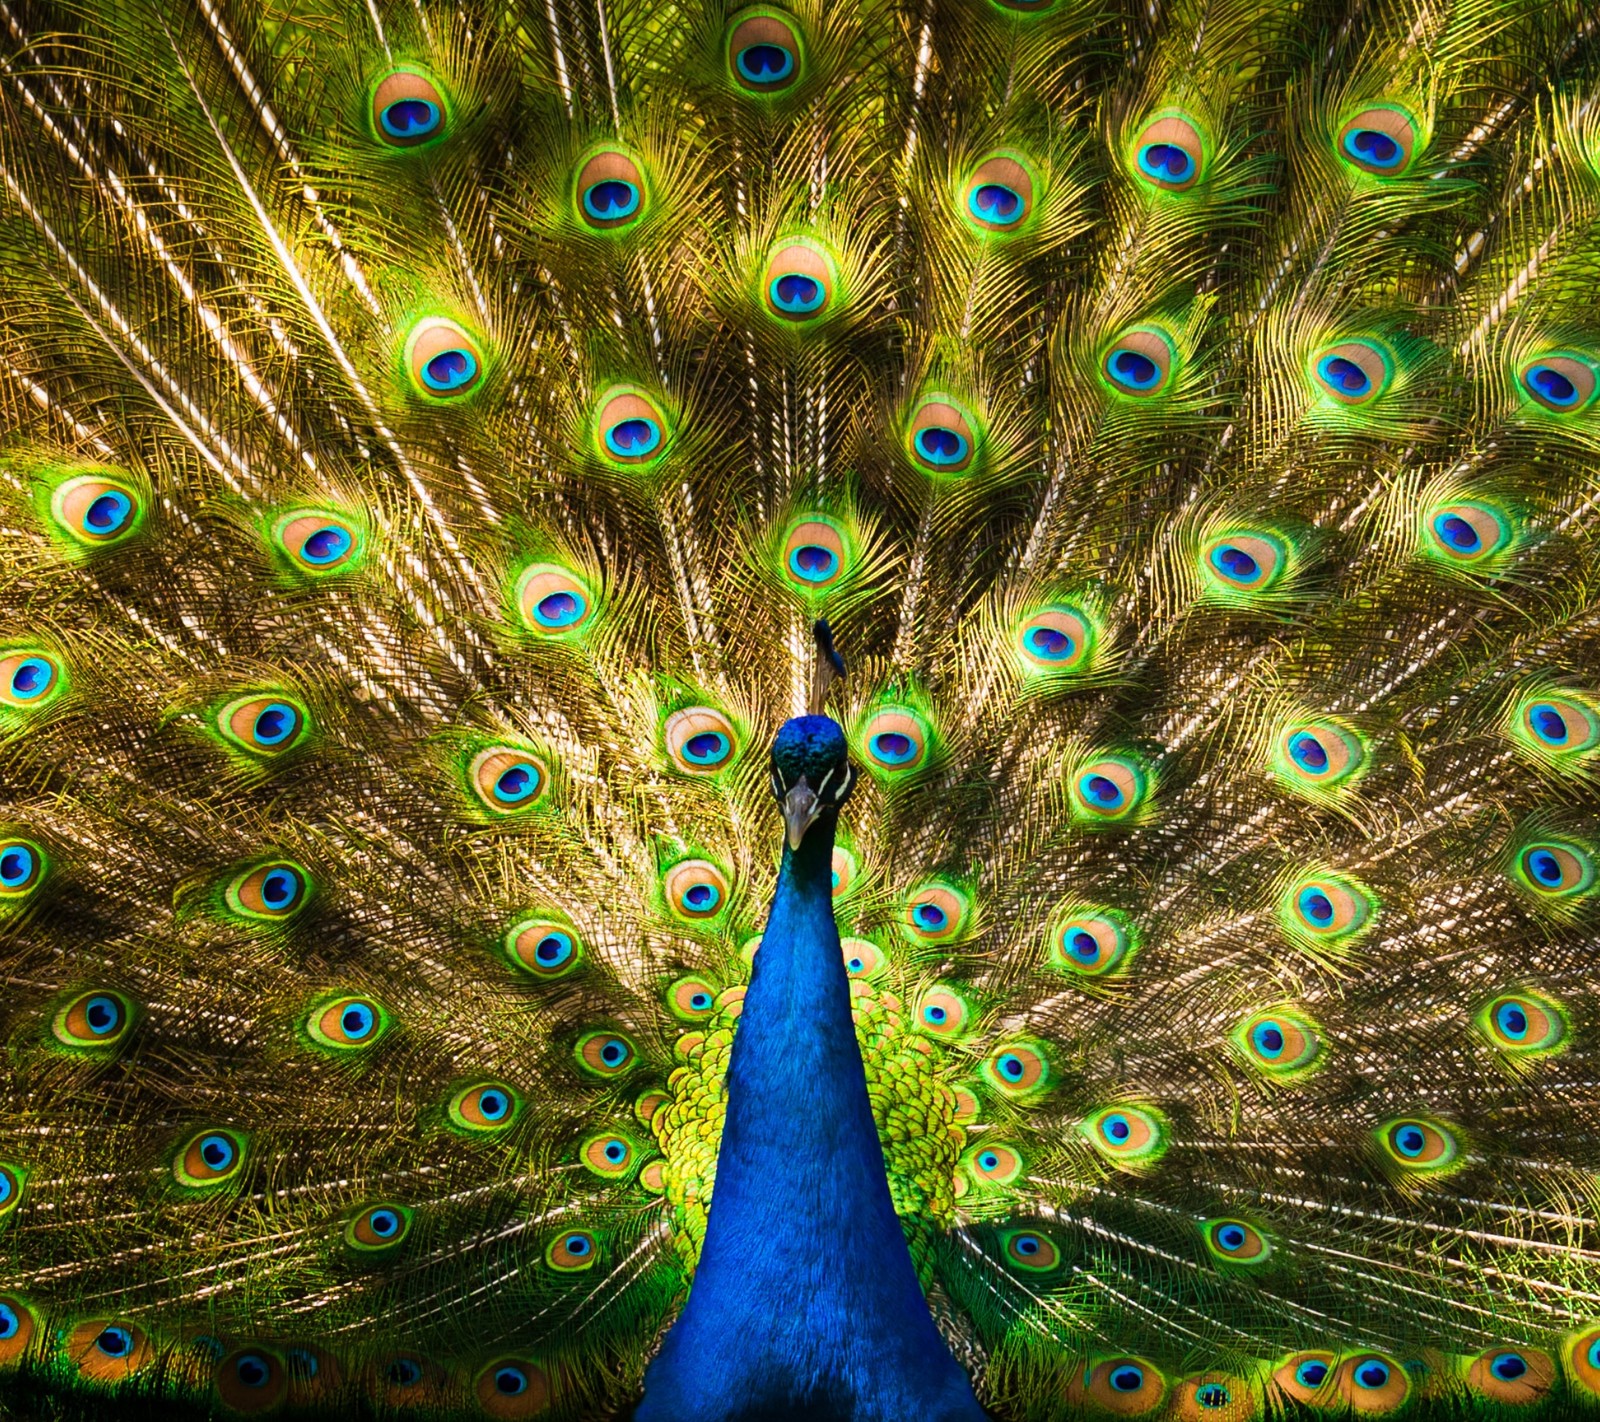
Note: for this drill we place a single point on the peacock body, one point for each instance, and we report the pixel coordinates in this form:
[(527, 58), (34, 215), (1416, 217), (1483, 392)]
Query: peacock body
[(431, 434)]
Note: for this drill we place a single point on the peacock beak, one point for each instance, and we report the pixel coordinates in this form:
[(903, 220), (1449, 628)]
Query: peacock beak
[(800, 810)]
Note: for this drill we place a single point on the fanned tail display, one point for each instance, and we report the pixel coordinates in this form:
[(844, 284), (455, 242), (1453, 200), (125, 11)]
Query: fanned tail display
[(432, 429)]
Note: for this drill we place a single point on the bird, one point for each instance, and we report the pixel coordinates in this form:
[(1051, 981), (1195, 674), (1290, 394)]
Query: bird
[(853, 710)]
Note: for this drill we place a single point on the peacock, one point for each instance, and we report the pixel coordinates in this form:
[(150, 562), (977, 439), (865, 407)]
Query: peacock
[(879, 711)]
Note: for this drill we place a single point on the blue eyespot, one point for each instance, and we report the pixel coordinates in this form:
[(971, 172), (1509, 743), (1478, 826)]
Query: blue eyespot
[(934, 1014), (516, 783), (1166, 163), (702, 897), (1212, 1395), (115, 1342), (274, 724), (1457, 532), (509, 1381), (796, 293), (9, 1322), (218, 1152), (1230, 1237), (1308, 752), (559, 609), (1511, 1021), (1372, 1373), (327, 545), (1050, 643), (1102, 791), (1083, 946), (104, 1015), (554, 949), (384, 1223), (616, 1152), (1134, 370), (1551, 386), (1316, 906), (450, 370), (1372, 148), (1344, 375), (633, 438), (1235, 563), (1127, 1378), (493, 1105), (252, 1370), (700, 1001), (1508, 1367), (1548, 724), (280, 888), (1544, 867), (764, 63), (106, 514), (996, 204), (16, 866), (707, 748), (813, 563), (1117, 1128), (892, 748), (357, 1021), (1311, 1373), (930, 917), (1026, 1244), (410, 119), (1268, 1039), (405, 1372), (611, 200), (990, 1161), (1410, 1141), (940, 445), (31, 677)]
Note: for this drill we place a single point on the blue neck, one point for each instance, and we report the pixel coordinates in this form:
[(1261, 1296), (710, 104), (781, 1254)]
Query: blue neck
[(805, 1303)]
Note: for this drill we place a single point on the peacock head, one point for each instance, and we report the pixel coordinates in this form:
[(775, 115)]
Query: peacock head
[(811, 772)]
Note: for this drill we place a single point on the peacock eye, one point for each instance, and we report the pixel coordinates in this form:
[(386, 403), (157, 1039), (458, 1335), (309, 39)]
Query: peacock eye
[(443, 360), (1515, 1377), (378, 1228), (1018, 1069), (764, 53), (799, 282), (407, 109), (1056, 640), (17, 1328), (485, 1106), (1139, 362), (348, 1023), (265, 725), (1560, 383), (1089, 944), (1169, 155), (994, 1164), (1235, 1242), (691, 999), (999, 194), (814, 555), (1556, 870), (1354, 372), (609, 1156), (1301, 1376), (700, 740), (895, 740), (605, 1053), (552, 601), (95, 510), (29, 679), (1110, 788), (1128, 1387), (543, 948), (269, 892), (22, 866), (942, 1012), (318, 542), (1126, 1135), (1416, 1144), (610, 191), (251, 1380), (572, 1252), (1242, 563), (1523, 1025), (1379, 141), (1031, 1252), (940, 436), (1326, 907), (507, 779), (696, 890), (935, 912), (210, 1158), (108, 1351), (862, 957), (98, 1021), (1370, 1383), (630, 428), (1280, 1044), (12, 1180)]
